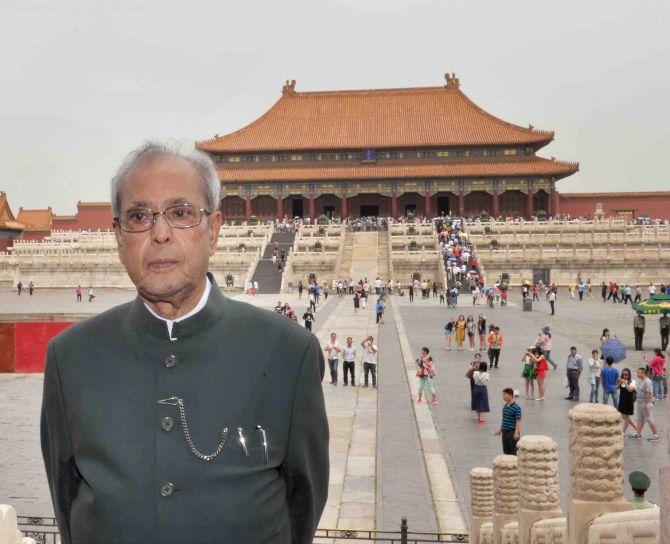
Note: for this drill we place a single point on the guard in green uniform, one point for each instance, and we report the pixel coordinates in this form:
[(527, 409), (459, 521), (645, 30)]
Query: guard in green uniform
[(183, 416), (640, 482)]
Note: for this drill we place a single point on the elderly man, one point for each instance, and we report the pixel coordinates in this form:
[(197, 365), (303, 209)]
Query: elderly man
[(183, 416)]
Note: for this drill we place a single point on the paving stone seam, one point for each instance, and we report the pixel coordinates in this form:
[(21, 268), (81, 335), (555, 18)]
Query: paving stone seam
[(447, 508), (358, 522), (336, 503)]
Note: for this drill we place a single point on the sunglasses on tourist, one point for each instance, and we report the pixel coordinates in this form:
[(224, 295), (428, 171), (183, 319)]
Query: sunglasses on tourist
[(179, 216)]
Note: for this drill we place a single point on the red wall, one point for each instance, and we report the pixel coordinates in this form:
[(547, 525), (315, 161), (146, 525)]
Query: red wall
[(35, 235), (23, 345), (7, 345), (655, 205), (94, 217)]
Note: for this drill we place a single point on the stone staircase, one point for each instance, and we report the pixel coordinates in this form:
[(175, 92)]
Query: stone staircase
[(365, 256), (384, 257), (269, 279), (344, 266)]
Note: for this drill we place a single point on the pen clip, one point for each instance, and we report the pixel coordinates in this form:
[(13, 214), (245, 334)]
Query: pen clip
[(174, 401), (243, 441), (265, 441)]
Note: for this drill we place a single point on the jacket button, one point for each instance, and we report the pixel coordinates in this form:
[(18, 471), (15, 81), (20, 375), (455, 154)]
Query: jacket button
[(170, 361), (167, 489), (167, 423)]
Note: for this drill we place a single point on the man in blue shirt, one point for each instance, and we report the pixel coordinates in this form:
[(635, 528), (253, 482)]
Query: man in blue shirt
[(510, 429), (610, 377)]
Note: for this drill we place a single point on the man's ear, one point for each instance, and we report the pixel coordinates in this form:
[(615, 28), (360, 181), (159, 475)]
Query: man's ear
[(215, 221), (117, 233)]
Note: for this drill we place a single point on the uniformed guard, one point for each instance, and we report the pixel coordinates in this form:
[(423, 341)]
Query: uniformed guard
[(183, 416), (640, 482)]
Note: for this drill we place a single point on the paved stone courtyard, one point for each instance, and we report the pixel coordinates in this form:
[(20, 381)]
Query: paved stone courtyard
[(389, 456)]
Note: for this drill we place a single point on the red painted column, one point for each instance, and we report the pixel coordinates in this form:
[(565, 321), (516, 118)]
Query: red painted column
[(495, 207), (461, 203), (426, 205), (345, 212), (554, 203), (312, 207), (223, 215), (529, 205), (394, 205), (248, 212), (280, 207)]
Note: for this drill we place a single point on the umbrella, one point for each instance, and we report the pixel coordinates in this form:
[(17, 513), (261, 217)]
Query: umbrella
[(613, 348), (655, 304)]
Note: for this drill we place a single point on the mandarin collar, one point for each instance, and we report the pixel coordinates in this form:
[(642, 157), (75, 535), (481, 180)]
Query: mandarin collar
[(213, 310)]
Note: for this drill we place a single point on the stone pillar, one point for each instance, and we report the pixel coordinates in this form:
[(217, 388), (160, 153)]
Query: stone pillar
[(344, 211), (539, 490), (312, 207), (481, 500), (510, 533), (280, 207), (529, 205), (485, 534), (555, 203), (461, 203), (394, 205), (9, 532), (664, 487), (505, 494), (495, 207), (426, 205), (248, 212), (596, 467)]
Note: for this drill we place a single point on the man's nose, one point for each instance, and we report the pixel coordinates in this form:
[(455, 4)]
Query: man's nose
[(161, 232)]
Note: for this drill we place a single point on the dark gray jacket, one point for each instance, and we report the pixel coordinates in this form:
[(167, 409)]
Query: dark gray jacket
[(119, 471)]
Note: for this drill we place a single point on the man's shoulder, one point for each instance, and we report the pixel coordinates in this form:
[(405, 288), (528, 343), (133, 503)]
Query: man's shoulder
[(90, 328)]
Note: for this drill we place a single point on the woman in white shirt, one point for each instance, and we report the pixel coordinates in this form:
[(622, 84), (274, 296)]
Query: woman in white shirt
[(480, 393), (593, 375)]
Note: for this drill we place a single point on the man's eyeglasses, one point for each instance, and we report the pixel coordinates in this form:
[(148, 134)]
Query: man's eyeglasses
[(180, 216)]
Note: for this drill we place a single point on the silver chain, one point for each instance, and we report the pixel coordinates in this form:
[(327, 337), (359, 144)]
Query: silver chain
[(184, 425)]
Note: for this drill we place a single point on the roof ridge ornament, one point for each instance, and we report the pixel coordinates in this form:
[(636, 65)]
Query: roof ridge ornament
[(289, 87), (452, 81)]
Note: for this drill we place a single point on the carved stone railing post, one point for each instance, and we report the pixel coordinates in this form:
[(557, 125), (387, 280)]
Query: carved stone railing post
[(485, 534), (505, 493), (664, 487), (9, 532), (539, 489), (596, 467), (481, 500)]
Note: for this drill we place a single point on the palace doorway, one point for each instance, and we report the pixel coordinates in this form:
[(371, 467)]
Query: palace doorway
[(297, 207), (442, 205), (369, 210)]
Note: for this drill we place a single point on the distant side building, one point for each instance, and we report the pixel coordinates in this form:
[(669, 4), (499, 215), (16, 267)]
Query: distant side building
[(627, 205), (36, 223), (10, 228)]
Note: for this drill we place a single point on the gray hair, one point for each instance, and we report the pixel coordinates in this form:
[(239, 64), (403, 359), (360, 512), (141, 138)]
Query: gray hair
[(170, 148)]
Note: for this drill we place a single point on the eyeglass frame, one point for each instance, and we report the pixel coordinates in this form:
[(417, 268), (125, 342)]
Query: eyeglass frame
[(203, 211)]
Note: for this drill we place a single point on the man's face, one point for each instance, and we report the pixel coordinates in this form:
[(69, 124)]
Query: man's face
[(573, 352), (507, 397), (349, 341), (641, 374), (165, 262), (333, 337)]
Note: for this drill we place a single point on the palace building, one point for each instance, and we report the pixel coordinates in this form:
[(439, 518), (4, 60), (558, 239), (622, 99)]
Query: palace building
[(391, 152)]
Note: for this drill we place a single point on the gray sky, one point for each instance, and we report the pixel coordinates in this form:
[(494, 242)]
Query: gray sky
[(83, 82)]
